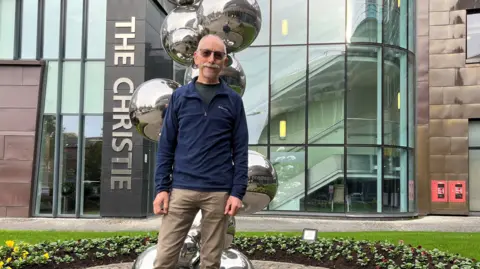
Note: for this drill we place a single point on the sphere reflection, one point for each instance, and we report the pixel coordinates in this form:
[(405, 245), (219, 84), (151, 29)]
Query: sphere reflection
[(262, 184), (231, 259), (148, 104), (237, 22), (180, 34)]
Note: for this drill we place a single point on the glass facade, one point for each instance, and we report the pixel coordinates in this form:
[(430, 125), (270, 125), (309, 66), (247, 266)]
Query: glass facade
[(330, 100), (71, 38)]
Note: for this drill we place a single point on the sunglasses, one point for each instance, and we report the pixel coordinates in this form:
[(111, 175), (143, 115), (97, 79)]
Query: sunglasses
[(218, 55)]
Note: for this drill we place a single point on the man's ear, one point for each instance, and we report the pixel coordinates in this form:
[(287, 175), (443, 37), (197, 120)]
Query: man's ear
[(195, 55)]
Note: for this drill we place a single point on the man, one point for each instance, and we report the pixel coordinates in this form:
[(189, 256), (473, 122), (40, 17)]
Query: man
[(204, 140)]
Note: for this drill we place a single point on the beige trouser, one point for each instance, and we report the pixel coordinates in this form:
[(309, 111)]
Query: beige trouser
[(182, 209)]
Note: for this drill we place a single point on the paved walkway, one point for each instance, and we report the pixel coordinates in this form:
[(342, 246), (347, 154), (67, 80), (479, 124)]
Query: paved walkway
[(256, 265), (254, 224)]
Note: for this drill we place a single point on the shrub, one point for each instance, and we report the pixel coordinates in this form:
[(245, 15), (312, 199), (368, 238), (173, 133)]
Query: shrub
[(331, 253)]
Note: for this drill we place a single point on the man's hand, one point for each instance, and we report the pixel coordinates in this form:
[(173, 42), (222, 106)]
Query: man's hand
[(160, 204), (233, 205)]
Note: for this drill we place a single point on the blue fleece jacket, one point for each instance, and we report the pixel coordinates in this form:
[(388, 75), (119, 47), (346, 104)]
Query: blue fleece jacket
[(203, 147)]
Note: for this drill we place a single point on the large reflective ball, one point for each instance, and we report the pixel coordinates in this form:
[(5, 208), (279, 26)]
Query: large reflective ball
[(262, 184), (146, 259), (231, 259), (148, 104), (196, 225), (237, 22), (233, 75), (190, 253), (184, 2), (180, 34)]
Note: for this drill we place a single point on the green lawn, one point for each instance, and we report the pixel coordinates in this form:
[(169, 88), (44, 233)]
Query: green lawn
[(466, 244)]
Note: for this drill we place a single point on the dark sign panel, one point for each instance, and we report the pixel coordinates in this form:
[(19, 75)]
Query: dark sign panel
[(123, 187)]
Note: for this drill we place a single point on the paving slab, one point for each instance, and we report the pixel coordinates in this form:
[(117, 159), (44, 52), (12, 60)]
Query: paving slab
[(256, 265), (253, 224)]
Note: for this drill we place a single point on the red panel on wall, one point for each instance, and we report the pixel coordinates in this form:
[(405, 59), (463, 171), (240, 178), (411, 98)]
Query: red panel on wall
[(457, 191), (439, 191)]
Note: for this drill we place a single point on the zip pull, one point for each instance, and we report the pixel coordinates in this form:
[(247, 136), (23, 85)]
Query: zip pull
[(205, 113)]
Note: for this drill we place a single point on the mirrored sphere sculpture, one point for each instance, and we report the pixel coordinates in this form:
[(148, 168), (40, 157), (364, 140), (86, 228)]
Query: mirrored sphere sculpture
[(148, 104), (262, 184), (231, 259), (146, 259), (190, 252), (180, 34), (233, 75), (237, 22), (184, 2), (230, 234)]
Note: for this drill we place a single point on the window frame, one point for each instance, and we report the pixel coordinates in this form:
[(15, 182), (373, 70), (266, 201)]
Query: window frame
[(469, 12)]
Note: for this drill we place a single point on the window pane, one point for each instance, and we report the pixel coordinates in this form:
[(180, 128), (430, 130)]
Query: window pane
[(94, 87), (474, 180), (473, 36), (395, 97), (395, 22), (326, 89), (68, 165), (364, 180), (411, 25), (92, 165), (73, 33), (474, 133), (263, 37), (7, 28), (289, 162), (71, 87), (29, 29), (52, 88), (97, 17), (255, 99), (46, 166), (51, 29), (333, 15), (411, 182), (364, 87), (288, 95), (395, 180), (326, 187), (411, 100), (364, 21), (289, 22)]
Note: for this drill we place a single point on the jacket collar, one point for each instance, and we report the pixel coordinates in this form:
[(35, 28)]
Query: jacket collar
[(191, 92)]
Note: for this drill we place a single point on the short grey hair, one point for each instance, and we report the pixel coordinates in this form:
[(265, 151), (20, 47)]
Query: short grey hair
[(214, 36)]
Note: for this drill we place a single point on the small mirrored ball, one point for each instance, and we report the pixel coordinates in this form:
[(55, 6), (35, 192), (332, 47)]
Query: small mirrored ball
[(148, 106), (180, 34), (262, 184), (237, 22)]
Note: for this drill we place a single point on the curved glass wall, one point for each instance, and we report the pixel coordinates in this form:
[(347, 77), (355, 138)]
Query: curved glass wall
[(330, 101)]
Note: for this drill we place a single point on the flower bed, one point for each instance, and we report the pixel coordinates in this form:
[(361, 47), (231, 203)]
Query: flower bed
[(330, 253)]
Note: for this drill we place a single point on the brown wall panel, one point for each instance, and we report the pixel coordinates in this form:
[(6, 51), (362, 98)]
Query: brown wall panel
[(452, 96), (20, 90), (19, 147)]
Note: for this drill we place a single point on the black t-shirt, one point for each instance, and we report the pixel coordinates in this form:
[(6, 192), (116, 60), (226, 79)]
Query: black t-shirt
[(207, 91)]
